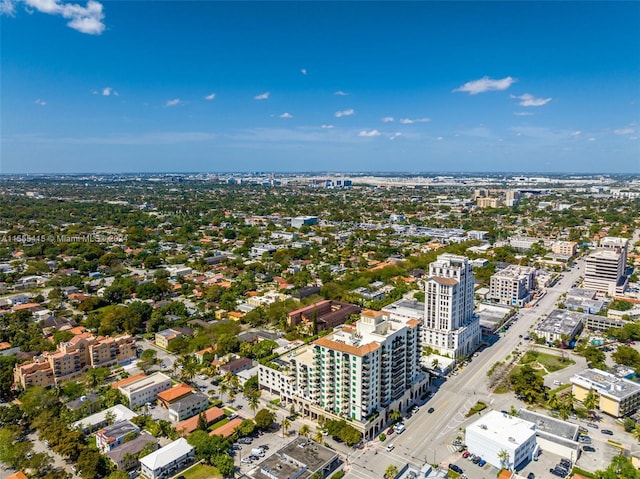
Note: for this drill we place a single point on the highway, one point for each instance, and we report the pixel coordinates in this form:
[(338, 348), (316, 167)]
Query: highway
[(428, 437)]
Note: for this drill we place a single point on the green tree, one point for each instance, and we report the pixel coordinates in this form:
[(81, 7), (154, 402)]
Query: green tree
[(504, 457), (224, 464), (305, 430), (264, 419), (254, 401), (390, 472), (285, 424), (620, 467)]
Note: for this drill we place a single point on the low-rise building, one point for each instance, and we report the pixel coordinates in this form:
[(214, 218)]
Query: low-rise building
[(616, 396), (211, 415), (560, 325), (188, 406), (165, 337), (564, 248), (125, 456), (554, 435), (236, 366), (101, 419), (168, 460), (146, 389), (112, 436), (495, 432), (325, 314)]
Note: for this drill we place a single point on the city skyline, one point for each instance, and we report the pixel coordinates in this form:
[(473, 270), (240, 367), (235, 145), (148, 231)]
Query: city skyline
[(319, 86)]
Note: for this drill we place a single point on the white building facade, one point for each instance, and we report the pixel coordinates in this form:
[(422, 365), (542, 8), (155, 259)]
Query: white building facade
[(450, 325), (495, 433), (605, 267), (513, 285)]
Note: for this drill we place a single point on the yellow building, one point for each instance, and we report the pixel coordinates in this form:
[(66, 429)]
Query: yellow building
[(617, 396)]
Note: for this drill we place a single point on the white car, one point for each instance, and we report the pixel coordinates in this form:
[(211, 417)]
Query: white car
[(390, 447), (202, 377), (246, 460)]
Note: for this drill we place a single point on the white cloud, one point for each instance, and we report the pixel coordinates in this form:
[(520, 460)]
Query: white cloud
[(108, 91), (327, 126), (523, 113), (395, 135), (7, 7), (576, 133), (210, 96), (387, 119), (528, 99), (87, 19), (286, 115), (303, 71), (40, 102), (409, 121), (348, 112), (624, 131), (485, 84), (174, 102), (591, 139), (369, 134), (262, 96), (341, 93), (439, 138)]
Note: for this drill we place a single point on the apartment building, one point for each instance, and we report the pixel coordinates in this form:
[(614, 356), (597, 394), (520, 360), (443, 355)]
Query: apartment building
[(112, 436), (605, 267), (564, 248), (73, 358), (616, 396), (450, 324), (513, 285), (360, 372), (523, 242), (167, 461), (323, 315), (145, 389)]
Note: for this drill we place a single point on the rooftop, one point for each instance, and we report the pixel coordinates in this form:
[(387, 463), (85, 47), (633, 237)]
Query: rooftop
[(191, 424), (167, 454), (155, 378), (130, 447), (606, 384), (503, 427), (227, 429), (120, 413), (118, 429), (556, 427), (300, 458), (175, 393), (560, 321)]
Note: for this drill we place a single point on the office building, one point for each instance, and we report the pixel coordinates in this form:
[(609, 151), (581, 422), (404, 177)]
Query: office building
[(564, 248), (145, 389), (450, 325), (495, 432), (561, 325), (616, 396), (513, 285), (605, 267)]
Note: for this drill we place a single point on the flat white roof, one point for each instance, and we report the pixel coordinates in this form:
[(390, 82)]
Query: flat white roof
[(503, 428), (147, 381), (120, 413), (167, 454)]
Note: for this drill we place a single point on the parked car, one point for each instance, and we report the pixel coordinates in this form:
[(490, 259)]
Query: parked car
[(465, 454), (430, 410), (455, 468), (390, 447), (246, 460), (607, 432), (531, 475), (588, 449), (481, 462), (593, 425), (584, 439), (390, 431)]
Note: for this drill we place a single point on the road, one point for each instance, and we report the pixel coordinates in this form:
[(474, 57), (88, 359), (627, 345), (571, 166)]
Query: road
[(428, 437)]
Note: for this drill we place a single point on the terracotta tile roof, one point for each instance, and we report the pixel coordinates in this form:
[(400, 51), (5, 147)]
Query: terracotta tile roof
[(227, 429), (18, 475), (191, 424), (371, 313), (25, 306), (175, 392), (129, 380), (347, 348), (445, 281), (413, 323)]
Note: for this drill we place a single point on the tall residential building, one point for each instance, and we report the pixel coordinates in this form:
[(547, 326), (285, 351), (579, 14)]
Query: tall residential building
[(564, 248), (450, 324), (605, 267), (84, 351), (513, 285), (360, 372)]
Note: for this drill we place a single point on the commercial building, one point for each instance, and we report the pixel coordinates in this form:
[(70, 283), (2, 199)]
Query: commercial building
[(616, 396), (73, 358), (300, 221), (168, 460), (523, 242), (450, 325), (361, 372), (495, 432), (146, 389), (605, 267), (100, 419), (300, 459), (554, 435), (560, 325), (514, 285)]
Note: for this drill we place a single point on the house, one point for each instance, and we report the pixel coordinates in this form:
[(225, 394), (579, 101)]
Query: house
[(188, 406), (88, 404), (168, 460), (234, 367), (227, 429), (101, 419), (112, 436), (169, 396), (125, 456)]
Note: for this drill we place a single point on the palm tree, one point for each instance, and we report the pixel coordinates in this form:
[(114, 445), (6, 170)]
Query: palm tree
[(223, 389), (395, 415), (317, 437), (503, 455), (435, 364), (553, 402), (390, 472), (254, 401), (591, 400), (636, 433), (305, 430), (286, 424)]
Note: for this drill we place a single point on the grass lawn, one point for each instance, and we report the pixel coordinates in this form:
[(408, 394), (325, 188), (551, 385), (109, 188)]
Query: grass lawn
[(549, 361), (201, 471), (560, 388), (219, 423)]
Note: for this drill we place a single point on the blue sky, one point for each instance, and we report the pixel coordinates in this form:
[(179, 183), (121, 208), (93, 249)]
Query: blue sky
[(125, 86)]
